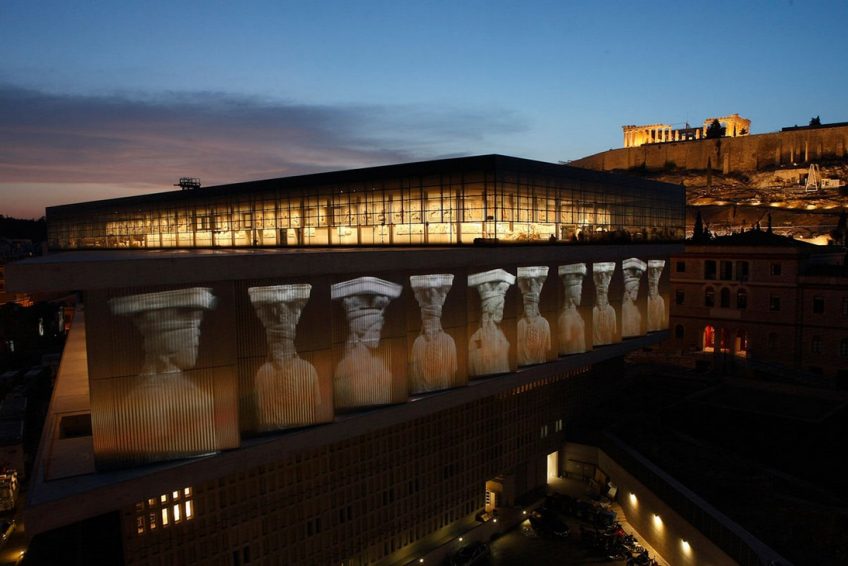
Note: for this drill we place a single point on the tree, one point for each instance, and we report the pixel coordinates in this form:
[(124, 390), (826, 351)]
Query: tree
[(698, 232), (840, 234), (815, 121), (714, 131)]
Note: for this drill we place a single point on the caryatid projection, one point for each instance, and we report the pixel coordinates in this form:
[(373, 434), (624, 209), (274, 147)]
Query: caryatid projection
[(656, 304), (362, 378), (286, 386), (164, 414), (631, 319), (572, 328), (603, 313), (534, 332), (433, 365), (488, 348)]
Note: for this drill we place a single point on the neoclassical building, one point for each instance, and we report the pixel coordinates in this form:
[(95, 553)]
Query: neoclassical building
[(767, 301), (334, 368)]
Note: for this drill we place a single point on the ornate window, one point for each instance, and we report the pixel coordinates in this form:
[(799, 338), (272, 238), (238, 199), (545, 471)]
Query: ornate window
[(709, 269)]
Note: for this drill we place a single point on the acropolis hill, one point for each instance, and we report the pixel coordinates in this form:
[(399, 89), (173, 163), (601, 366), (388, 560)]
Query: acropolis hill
[(738, 179)]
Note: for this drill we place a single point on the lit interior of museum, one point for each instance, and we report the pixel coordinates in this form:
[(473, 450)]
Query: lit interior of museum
[(381, 206)]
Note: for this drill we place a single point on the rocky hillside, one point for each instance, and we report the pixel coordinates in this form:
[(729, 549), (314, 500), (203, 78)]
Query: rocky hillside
[(733, 202)]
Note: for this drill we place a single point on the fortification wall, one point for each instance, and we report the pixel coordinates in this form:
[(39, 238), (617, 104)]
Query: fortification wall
[(741, 154)]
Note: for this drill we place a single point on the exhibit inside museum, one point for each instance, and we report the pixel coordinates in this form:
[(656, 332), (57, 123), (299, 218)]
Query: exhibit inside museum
[(330, 368)]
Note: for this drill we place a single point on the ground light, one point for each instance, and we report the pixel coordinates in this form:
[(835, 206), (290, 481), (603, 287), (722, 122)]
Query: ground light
[(687, 549), (633, 501), (657, 521)]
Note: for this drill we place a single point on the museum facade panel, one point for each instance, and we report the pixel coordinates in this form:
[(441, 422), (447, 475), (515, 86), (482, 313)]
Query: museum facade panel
[(185, 370)]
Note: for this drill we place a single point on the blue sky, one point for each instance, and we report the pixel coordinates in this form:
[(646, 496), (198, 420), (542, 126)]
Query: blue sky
[(103, 99)]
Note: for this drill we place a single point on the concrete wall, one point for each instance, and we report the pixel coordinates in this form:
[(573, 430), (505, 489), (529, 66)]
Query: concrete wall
[(672, 536), (742, 154)]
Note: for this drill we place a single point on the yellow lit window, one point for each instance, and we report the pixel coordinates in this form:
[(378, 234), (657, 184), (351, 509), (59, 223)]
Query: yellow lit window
[(175, 495), (177, 516), (165, 517), (189, 513)]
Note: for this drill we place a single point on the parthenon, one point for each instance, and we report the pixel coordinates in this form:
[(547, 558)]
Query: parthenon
[(732, 125)]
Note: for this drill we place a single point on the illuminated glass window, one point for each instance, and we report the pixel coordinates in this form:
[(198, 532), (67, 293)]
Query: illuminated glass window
[(166, 510), (709, 338), (740, 345)]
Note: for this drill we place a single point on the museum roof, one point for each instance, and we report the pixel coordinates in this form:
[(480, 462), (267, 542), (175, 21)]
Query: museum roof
[(458, 165)]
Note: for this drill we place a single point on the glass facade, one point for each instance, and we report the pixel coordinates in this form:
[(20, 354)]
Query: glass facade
[(446, 202)]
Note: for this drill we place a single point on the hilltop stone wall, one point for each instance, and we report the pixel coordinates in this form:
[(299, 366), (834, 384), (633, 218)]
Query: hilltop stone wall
[(742, 154)]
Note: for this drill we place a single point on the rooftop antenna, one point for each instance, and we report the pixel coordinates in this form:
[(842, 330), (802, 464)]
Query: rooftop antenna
[(187, 183)]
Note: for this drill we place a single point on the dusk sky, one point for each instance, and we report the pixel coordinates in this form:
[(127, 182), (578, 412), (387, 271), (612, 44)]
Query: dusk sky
[(102, 99)]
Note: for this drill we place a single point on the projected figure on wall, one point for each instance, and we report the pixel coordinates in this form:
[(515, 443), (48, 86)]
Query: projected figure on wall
[(433, 365), (631, 318), (362, 378), (286, 386), (488, 348), (534, 332), (572, 328), (164, 414), (603, 314), (656, 304)]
